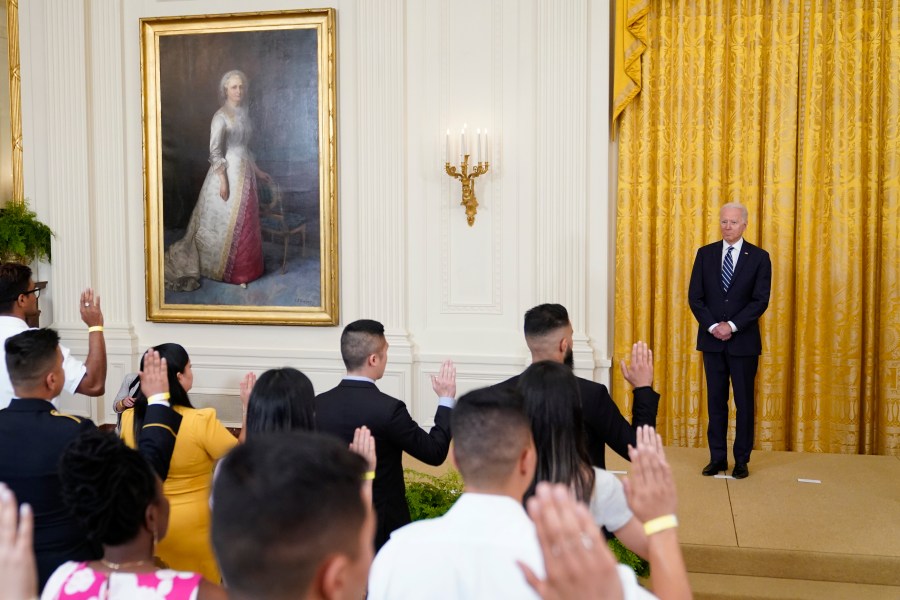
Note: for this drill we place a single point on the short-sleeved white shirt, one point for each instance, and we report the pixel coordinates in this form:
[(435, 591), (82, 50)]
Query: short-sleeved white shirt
[(609, 506), (10, 326)]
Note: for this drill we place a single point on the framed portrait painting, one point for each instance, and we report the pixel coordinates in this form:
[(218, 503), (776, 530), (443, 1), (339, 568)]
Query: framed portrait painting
[(240, 168)]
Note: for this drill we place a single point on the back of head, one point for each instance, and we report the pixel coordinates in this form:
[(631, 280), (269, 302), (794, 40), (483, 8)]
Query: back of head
[(14, 278), (359, 340), (544, 318), (553, 403), (282, 400), (283, 504), (107, 487), (490, 431), (30, 355), (177, 360)]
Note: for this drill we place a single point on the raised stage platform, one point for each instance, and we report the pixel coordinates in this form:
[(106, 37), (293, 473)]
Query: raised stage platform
[(771, 536)]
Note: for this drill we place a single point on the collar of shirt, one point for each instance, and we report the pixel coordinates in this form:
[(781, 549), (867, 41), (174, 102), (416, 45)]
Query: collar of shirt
[(358, 378), (737, 248)]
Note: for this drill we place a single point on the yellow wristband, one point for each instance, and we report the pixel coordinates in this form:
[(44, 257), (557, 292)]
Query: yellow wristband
[(660, 524), (160, 397), (370, 475), (95, 328)]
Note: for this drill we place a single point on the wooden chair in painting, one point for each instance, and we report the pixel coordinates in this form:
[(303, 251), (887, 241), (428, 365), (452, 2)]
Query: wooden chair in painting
[(277, 222)]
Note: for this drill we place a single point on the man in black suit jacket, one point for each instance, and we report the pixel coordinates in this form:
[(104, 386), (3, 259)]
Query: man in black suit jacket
[(548, 334), (728, 293), (33, 436), (356, 401)]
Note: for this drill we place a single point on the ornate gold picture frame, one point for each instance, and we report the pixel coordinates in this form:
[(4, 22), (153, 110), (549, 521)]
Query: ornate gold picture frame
[(240, 167)]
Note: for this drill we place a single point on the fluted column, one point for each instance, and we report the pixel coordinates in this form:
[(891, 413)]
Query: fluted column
[(562, 162), (381, 197), (109, 194)]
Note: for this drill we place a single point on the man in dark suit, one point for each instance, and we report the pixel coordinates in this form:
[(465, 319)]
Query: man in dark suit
[(548, 334), (356, 401), (33, 436), (728, 293)]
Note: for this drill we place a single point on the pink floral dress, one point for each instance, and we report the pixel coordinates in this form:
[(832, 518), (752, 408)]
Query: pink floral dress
[(78, 581)]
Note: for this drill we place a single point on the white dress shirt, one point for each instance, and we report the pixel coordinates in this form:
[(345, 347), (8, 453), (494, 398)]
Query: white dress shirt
[(469, 553), (10, 326)]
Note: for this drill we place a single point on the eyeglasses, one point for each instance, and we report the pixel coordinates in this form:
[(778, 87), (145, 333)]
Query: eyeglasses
[(36, 291)]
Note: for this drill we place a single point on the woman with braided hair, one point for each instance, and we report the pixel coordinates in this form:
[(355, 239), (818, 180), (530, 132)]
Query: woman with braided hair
[(118, 499)]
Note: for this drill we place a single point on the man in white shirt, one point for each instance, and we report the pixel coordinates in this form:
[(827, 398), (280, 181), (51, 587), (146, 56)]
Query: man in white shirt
[(474, 551), (18, 302)]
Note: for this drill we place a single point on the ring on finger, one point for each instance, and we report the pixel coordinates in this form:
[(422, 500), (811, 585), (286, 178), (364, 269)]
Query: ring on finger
[(86, 304)]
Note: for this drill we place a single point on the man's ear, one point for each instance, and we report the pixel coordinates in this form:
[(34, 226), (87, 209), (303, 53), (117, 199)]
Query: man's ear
[(330, 579), (50, 380), (371, 360), (528, 461)]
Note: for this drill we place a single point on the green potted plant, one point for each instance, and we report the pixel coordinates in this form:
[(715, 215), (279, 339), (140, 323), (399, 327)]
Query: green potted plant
[(23, 238)]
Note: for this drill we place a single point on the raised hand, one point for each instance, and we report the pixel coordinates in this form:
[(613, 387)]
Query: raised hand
[(17, 568), (640, 372), (650, 488), (364, 444), (155, 375), (444, 383), (576, 559), (90, 308), (246, 388)]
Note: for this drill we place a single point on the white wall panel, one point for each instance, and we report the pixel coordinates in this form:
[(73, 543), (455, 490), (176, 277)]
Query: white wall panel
[(535, 74)]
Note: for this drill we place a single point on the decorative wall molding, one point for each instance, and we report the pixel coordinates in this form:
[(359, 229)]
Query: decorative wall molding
[(527, 70)]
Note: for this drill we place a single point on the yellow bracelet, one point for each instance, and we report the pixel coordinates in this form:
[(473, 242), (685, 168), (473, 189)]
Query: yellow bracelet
[(95, 328), (162, 396), (370, 475), (660, 524)]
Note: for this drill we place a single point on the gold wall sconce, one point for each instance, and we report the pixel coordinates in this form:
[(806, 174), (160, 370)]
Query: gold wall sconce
[(480, 155)]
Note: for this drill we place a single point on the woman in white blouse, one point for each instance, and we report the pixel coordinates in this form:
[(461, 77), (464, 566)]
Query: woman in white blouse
[(553, 404)]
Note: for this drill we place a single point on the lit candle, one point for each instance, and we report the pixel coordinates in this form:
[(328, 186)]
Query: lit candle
[(480, 147), (447, 148), (487, 147), (462, 144)]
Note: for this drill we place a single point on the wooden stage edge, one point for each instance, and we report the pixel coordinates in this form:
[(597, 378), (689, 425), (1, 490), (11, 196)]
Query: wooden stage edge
[(802, 525)]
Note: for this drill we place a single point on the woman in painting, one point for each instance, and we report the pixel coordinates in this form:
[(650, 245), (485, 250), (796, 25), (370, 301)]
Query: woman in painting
[(222, 241)]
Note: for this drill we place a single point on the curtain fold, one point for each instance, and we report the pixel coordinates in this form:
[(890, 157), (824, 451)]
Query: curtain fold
[(791, 107)]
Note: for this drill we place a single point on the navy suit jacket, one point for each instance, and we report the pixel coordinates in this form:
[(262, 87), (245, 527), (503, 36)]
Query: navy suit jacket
[(33, 437), (744, 303), (353, 404), (604, 423)]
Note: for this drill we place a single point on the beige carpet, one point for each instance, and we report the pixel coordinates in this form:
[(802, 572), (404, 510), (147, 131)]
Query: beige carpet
[(771, 536)]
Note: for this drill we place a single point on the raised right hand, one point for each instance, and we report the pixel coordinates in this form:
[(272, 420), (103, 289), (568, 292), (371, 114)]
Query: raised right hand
[(650, 488), (17, 567), (155, 375)]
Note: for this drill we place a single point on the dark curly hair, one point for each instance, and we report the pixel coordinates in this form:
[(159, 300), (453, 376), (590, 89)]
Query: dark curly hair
[(107, 486)]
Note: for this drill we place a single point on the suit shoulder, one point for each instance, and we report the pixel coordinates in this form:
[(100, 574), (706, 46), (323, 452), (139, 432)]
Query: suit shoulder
[(590, 384), (755, 249)]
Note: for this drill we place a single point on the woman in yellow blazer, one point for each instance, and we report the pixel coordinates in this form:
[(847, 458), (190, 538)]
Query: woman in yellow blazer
[(201, 441)]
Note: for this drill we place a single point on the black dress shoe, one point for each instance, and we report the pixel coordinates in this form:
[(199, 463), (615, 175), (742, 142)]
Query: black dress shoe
[(740, 471), (715, 466)]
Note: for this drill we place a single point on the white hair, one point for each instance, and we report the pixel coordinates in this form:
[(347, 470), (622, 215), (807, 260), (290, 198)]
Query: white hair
[(738, 206), (229, 75)]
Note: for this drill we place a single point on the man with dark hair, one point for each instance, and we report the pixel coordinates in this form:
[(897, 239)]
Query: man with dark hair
[(471, 551), (548, 334), (357, 402), (33, 436), (18, 303), (290, 519), (484, 539)]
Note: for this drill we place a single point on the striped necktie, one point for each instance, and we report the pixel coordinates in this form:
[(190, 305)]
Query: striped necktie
[(727, 269)]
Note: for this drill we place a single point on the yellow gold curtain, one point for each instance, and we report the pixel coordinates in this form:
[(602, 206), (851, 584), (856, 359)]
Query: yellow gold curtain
[(793, 108)]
